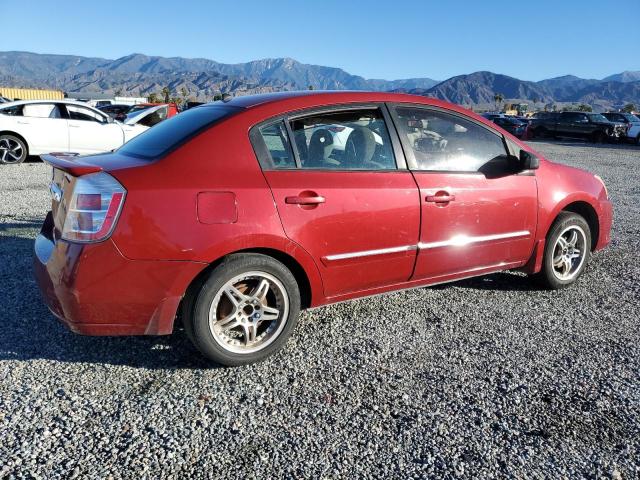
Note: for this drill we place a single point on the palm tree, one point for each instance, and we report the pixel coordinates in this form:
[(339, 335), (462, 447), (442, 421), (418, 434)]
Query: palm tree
[(498, 97), (166, 93)]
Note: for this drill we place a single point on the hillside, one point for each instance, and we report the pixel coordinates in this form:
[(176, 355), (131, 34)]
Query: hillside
[(139, 75)]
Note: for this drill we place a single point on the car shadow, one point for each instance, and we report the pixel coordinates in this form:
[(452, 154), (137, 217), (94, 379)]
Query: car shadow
[(28, 331), (501, 281)]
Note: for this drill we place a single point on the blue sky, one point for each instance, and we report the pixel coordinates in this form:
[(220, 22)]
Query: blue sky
[(528, 39)]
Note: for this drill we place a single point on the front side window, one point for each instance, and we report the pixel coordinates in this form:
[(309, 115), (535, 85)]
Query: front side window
[(76, 112), (347, 140), (41, 110), (443, 142)]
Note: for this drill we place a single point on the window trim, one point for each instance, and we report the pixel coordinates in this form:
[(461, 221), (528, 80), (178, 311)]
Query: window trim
[(254, 132), (66, 115), (408, 149)]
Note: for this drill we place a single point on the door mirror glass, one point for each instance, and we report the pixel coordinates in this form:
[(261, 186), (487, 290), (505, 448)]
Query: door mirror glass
[(528, 161)]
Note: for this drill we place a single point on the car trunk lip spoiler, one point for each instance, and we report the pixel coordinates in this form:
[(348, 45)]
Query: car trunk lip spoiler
[(68, 163)]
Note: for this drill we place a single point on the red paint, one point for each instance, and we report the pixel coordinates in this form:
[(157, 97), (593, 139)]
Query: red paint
[(217, 207), (178, 218)]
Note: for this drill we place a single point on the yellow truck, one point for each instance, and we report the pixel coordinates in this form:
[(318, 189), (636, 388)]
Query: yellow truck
[(30, 94)]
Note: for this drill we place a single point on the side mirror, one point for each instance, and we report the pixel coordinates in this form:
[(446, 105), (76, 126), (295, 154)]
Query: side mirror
[(110, 119), (528, 161)]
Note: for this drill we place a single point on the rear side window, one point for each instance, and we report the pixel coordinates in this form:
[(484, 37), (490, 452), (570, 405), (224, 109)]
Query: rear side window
[(171, 133), (349, 140), (273, 144), (41, 110)]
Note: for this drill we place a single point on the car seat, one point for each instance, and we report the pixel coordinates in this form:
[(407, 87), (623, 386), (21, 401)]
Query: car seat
[(320, 148), (359, 150)]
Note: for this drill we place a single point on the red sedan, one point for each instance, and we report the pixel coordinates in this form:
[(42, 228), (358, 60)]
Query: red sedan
[(238, 214)]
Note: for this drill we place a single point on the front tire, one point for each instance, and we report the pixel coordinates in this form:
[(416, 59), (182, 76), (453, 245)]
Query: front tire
[(567, 251), (13, 150), (245, 311)]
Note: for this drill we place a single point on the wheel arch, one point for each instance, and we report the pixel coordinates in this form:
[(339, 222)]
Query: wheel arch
[(15, 134), (294, 265), (586, 211)]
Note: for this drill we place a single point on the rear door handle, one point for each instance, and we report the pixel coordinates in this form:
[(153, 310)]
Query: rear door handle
[(305, 200), (440, 198)]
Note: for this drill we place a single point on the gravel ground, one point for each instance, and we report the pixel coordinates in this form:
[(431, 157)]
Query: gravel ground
[(488, 377)]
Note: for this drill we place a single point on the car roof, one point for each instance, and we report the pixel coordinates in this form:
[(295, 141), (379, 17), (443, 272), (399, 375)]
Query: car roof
[(46, 100), (330, 96), (268, 105)]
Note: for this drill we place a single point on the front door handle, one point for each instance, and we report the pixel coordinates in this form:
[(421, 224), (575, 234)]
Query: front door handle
[(298, 200), (440, 197)]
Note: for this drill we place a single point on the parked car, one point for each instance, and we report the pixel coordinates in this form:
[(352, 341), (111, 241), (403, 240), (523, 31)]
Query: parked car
[(492, 116), (116, 111), (34, 127), (512, 125), (590, 126), (101, 103), (217, 215), (171, 108), (631, 121), (189, 105)]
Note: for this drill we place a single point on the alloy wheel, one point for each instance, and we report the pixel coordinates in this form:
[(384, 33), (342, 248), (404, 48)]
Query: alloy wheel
[(248, 312), (11, 151), (569, 252)]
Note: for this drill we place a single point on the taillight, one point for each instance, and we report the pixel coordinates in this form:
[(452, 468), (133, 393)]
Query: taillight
[(93, 209)]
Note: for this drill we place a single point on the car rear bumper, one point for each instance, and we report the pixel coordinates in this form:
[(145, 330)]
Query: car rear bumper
[(94, 290)]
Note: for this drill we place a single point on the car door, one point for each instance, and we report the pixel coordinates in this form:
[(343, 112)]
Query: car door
[(91, 131), (343, 194), (43, 127), (479, 212), (581, 126)]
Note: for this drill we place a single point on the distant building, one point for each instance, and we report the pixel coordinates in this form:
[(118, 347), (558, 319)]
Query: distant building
[(94, 97), (30, 94)]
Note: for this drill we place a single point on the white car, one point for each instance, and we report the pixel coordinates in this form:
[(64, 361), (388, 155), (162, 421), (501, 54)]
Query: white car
[(35, 127)]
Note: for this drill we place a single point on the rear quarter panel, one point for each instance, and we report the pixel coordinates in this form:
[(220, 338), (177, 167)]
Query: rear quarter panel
[(160, 220)]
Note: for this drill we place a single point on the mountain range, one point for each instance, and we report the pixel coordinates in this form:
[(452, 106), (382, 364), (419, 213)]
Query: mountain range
[(140, 75)]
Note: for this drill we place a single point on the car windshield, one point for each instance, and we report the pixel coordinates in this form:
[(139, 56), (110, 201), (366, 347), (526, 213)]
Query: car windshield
[(171, 133), (596, 117)]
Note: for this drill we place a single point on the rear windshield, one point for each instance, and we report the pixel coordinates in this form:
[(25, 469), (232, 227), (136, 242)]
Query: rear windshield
[(167, 135)]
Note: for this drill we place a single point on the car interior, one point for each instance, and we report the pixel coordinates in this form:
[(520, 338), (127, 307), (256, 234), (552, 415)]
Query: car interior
[(352, 140), (445, 142)]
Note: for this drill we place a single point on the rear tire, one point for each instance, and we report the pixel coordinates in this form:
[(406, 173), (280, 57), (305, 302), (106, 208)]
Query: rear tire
[(13, 150), (567, 251), (245, 311)]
